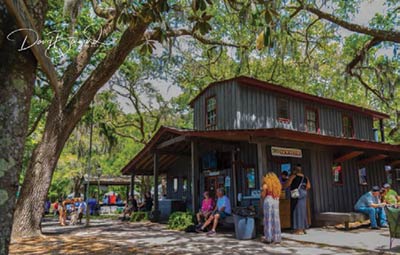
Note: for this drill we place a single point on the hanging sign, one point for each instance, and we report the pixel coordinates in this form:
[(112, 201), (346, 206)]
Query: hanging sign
[(286, 152)]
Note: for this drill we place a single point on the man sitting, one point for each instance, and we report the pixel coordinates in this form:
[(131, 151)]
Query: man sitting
[(370, 205), (131, 206), (221, 211), (391, 197)]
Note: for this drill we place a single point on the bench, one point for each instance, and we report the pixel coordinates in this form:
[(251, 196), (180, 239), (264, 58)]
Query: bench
[(334, 218), (228, 222)]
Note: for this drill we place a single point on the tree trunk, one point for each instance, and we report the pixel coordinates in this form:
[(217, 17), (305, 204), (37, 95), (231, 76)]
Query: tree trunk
[(78, 180), (17, 76), (60, 122), (30, 205)]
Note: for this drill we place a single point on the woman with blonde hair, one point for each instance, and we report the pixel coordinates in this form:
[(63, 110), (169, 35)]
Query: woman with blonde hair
[(271, 191)]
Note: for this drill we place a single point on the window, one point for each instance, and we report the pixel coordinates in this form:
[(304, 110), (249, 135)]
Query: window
[(337, 174), (312, 120), (185, 186), (250, 178), (283, 109), (362, 176), (389, 174), (211, 118), (175, 183), (348, 129)]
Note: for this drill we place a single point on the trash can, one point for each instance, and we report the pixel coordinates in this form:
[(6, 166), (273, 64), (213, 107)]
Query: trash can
[(244, 224)]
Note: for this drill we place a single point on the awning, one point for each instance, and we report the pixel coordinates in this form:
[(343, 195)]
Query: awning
[(173, 143)]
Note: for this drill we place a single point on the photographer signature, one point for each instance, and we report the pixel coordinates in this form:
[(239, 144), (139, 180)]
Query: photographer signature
[(57, 44)]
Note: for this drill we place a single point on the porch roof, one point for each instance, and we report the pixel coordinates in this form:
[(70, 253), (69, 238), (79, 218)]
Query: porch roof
[(109, 180), (173, 142)]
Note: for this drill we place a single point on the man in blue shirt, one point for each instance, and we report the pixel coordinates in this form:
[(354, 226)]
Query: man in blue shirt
[(221, 211), (370, 204)]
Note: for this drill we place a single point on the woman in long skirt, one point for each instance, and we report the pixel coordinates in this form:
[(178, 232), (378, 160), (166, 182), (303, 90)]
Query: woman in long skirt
[(271, 192), (298, 206)]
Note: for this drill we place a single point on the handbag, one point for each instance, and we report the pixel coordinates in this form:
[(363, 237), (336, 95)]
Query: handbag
[(296, 193)]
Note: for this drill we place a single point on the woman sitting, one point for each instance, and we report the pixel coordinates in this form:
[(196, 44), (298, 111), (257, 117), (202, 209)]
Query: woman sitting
[(207, 207)]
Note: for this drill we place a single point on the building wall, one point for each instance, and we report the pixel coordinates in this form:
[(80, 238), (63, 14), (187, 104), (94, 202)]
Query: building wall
[(328, 197), (227, 101), (245, 107)]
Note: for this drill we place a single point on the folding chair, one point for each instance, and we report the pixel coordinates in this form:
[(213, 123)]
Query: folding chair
[(393, 217)]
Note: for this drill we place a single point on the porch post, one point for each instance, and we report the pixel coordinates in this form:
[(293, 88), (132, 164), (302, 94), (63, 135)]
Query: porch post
[(235, 199), (262, 161), (195, 175), (382, 129), (155, 159), (155, 213), (132, 191)]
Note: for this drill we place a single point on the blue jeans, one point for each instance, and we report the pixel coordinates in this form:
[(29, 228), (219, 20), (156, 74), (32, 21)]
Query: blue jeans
[(372, 213)]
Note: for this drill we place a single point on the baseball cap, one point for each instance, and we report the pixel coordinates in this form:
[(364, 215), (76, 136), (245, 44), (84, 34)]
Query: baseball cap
[(375, 189)]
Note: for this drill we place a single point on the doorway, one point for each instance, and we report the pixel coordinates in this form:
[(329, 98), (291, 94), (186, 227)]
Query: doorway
[(212, 183)]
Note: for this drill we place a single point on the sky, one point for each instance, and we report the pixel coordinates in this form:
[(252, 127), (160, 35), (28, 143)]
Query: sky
[(366, 13)]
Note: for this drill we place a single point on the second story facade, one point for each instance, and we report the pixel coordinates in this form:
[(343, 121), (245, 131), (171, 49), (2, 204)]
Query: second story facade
[(246, 103)]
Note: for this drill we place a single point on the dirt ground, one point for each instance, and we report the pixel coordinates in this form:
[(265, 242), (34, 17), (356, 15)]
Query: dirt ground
[(116, 237)]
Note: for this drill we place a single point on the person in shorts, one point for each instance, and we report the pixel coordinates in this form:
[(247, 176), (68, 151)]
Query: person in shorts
[(221, 211), (206, 210)]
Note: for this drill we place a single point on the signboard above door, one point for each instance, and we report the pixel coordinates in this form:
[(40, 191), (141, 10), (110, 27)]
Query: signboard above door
[(286, 152)]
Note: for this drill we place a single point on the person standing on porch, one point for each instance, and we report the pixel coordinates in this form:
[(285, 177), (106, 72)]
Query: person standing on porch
[(221, 211), (271, 191), (299, 185), (370, 205)]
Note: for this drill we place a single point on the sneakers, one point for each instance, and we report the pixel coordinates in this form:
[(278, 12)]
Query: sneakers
[(211, 233), (199, 229), (384, 226)]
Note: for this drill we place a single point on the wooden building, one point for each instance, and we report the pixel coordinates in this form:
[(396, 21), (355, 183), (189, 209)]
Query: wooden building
[(245, 127)]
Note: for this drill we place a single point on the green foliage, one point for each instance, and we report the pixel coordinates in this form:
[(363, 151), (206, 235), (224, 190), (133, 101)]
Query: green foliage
[(180, 220), (302, 53), (139, 216)]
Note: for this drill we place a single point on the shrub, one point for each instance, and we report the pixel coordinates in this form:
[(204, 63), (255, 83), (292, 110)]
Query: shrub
[(139, 216), (180, 220)]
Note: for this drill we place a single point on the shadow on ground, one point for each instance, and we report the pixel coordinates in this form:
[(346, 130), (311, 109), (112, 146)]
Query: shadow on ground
[(115, 237)]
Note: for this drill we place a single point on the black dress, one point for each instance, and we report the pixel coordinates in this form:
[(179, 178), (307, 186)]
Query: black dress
[(298, 206)]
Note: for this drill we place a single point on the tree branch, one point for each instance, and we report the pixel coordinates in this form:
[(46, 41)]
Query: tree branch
[(142, 141), (131, 38), (307, 39), (195, 35), (79, 63), (36, 123), (108, 13), (384, 35), (368, 87), (361, 54)]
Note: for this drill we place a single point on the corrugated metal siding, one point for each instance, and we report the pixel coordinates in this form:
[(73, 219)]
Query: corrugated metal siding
[(226, 96), (258, 110), (243, 107), (329, 197)]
